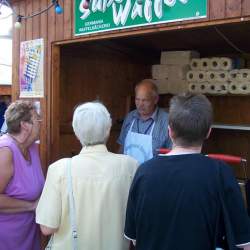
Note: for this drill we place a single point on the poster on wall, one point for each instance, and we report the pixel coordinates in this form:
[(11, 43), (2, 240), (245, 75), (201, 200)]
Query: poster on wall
[(31, 69), (106, 15)]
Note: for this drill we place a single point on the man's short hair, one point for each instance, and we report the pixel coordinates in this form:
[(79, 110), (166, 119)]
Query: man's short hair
[(190, 118), (150, 83)]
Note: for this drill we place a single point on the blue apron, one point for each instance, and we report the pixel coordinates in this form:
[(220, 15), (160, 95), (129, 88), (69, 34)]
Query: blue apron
[(139, 146)]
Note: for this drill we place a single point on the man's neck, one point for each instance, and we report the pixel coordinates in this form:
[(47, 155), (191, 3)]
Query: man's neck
[(179, 150), (146, 117)]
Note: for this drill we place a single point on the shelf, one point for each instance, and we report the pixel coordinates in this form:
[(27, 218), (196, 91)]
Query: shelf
[(5, 89), (231, 127)]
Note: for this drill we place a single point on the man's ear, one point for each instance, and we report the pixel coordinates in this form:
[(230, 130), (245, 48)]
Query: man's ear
[(156, 99), (209, 132)]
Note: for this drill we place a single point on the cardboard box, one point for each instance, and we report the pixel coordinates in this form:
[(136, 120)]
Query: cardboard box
[(178, 57)]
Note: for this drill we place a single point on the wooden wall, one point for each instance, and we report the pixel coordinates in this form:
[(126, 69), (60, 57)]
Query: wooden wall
[(96, 73), (59, 28)]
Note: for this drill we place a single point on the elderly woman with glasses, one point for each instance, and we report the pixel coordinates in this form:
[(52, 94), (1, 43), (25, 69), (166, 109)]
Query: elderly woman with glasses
[(94, 217), (21, 178)]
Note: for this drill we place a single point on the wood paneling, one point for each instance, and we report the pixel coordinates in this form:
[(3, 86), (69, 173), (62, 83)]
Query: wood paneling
[(29, 21), (217, 9), (233, 8), (5, 89), (68, 21), (15, 56), (245, 7), (55, 102), (59, 23), (36, 20), (54, 28), (96, 73)]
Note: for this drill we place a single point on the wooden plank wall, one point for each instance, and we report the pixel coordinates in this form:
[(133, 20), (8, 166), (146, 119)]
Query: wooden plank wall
[(54, 27), (80, 83)]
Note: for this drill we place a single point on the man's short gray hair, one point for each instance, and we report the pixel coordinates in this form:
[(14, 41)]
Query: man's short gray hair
[(91, 123)]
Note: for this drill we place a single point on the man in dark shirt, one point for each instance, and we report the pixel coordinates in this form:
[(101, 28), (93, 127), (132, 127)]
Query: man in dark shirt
[(174, 201)]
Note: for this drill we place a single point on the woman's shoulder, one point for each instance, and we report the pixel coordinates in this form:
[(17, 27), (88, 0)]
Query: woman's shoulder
[(57, 168), (6, 141), (125, 160)]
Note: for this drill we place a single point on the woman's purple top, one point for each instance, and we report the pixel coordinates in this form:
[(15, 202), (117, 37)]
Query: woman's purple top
[(18, 231)]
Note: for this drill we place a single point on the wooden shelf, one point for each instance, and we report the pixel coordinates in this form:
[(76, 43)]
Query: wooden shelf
[(5, 89), (231, 127)]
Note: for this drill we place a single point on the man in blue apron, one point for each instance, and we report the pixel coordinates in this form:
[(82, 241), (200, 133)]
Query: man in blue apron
[(144, 130)]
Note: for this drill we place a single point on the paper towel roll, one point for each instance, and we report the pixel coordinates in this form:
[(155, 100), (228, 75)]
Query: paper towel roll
[(226, 63), (194, 87), (222, 76), (204, 87), (201, 76), (239, 88), (233, 75), (233, 88), (243, 75), (211, 76), (192, 76), (195, 64), (223, 88), (204, 63), (244, 88), (218, 88), (214, 63)]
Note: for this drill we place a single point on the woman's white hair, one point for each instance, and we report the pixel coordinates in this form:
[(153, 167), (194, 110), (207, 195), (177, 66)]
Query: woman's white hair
[(91, 123)]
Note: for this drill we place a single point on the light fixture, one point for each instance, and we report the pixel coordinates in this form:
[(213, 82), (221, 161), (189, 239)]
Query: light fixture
[(58, 8), (18, 22)]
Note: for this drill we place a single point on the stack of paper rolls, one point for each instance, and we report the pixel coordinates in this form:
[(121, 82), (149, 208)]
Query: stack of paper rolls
[(196, 76), (198, 87), (170, 74), (233, 75), (217, 75), (226, 63), (218, 88), (195, 64), (243, 75), (214, 63), (239, 88), (204, 64)]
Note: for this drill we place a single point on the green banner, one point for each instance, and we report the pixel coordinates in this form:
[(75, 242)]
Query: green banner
[(104, 15)]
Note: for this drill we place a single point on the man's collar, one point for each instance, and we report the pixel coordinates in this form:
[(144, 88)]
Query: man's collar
[(153, 116)]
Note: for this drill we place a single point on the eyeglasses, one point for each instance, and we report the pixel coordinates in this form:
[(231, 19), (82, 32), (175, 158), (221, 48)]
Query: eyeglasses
[(38, 120)]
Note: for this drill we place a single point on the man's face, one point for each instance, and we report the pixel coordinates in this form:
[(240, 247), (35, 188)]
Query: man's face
[(145, 101)]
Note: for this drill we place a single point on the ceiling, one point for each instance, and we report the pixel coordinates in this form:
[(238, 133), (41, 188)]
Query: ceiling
[(206, 40), (209, 41)]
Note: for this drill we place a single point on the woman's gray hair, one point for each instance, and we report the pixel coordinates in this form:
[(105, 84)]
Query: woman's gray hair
[(91, 123)]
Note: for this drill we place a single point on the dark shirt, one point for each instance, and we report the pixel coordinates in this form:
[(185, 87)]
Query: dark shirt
[(174, 204)]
